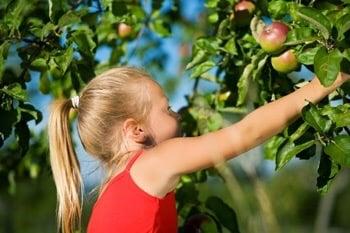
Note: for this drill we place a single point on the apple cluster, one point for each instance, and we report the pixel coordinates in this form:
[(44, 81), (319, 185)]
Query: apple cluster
[(270, 37), (271, 40)]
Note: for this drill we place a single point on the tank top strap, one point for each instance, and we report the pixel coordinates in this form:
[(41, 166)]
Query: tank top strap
[(133, 159)]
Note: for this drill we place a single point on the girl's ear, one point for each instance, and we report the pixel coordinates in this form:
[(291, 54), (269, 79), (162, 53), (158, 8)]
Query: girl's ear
[(134, 131)]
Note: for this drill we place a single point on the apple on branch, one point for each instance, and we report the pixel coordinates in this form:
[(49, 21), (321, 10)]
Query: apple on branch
[(286, 62), (124, 30), (273, 36), (243, 12)]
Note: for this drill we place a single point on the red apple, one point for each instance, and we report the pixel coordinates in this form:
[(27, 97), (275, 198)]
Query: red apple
[(243, 12), (245, 6), (286, 62), (124, 30), (273, 36)]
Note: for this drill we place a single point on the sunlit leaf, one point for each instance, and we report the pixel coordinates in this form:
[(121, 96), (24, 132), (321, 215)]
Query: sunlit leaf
[(289, 150), (327, 65), (339, 149), (317, 19), (312, 115)]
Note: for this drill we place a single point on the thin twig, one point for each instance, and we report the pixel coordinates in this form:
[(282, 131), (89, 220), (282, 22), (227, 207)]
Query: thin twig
[(138, 38)]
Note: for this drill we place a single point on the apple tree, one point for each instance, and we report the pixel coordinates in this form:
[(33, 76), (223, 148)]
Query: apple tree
[(269, 48)]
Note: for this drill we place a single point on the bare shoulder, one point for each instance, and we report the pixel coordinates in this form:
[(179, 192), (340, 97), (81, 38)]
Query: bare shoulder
[(158, 170), (148, 175)]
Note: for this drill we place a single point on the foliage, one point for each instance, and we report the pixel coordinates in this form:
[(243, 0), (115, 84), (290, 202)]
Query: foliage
[(318, 32)]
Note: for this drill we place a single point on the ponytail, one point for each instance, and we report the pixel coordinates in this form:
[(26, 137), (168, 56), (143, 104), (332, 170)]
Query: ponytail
[(65, 168)]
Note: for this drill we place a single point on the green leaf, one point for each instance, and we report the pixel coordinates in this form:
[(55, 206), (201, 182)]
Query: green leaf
[(224, 29), (14, 13), (35, 26), (327, 170), (278, 9), (187, 192), (211, 3), (213, 18), (340, 115), (4, 48), (230, 46), (199, 57), (251, 70), (317, 19), (261, 64), (272, 145), (39, 64), (313, 117), (346, 54), (83, 39), (301, 35), (343, 25), (307, 56), (47, 30), (64, 60), (223, 212), (243, 84), (299, 132), (339, 149), (202, 68), (210, 45), (209, 77), (8, 120), (57, 9), (28, 112), (327, 65), (160, 27), (289, 150), (68, 18), (15, 90), (54, 69)]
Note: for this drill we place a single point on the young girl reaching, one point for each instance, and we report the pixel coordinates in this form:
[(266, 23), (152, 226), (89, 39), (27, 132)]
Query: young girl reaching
[(125, 121)]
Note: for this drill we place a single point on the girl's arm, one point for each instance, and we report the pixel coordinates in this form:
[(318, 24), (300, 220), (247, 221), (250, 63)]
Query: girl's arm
[(174, 157)]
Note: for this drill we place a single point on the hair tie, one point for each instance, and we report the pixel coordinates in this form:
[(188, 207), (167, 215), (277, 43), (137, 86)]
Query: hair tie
[(75, 101)]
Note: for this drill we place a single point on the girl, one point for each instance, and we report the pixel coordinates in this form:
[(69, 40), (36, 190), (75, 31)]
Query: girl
[(125, 121)]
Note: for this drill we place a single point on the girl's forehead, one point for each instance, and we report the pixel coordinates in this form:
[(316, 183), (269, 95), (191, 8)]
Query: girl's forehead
[(157, 92)]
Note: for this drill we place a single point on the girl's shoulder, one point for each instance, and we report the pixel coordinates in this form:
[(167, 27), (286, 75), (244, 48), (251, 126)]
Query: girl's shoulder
[(146, 174)]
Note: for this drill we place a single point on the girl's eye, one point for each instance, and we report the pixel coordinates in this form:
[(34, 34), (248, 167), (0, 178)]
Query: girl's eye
[(173, 113)]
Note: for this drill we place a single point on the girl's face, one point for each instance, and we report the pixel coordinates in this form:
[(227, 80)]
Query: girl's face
[(164, 123)]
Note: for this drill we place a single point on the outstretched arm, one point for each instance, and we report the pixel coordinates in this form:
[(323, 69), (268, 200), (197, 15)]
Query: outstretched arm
[(270, 119), (174, 157)]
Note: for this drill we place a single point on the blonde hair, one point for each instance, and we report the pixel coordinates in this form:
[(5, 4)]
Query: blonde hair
[(104, 103)]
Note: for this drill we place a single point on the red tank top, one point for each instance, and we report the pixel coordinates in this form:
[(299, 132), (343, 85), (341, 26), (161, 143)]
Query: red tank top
[(124, 207)]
